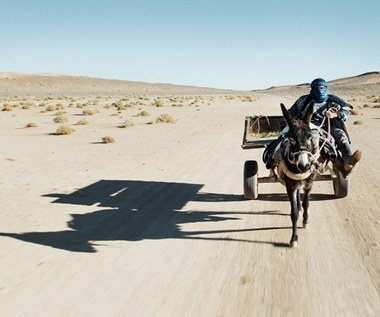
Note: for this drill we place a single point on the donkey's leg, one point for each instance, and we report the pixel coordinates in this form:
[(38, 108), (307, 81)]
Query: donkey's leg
[(292, 194), (299, 200), (305, 205)]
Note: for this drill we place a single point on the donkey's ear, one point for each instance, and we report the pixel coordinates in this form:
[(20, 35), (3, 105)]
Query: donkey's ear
[(309, 112), (286, 114)]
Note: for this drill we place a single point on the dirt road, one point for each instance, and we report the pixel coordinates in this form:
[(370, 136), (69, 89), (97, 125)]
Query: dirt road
[(155, 225)]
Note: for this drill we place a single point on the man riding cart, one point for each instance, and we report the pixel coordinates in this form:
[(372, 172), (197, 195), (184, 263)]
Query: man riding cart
[(329, 114)]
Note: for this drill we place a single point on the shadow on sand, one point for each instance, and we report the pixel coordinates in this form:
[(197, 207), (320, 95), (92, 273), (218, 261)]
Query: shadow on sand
[(137, 210)]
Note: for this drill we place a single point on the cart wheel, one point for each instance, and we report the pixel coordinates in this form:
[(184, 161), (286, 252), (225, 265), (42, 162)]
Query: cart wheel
[(250, 180), (341, 184)]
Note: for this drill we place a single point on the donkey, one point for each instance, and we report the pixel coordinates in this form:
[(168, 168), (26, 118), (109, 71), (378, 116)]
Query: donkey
[(296, 166)]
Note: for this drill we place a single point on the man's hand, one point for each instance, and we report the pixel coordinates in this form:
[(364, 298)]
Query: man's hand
[(332, 113)]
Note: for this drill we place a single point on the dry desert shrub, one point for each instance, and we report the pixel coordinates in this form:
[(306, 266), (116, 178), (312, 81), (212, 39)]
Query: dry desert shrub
[(127, 124), (120, 106), (51, 108), (166, 118), (354, 112), (7, 107), (27, 105), (82, 122), (108, 139), (59, 106), (60, 119), (64, 130), (143, 114), (88, 112), (358, 122), (248, 98), (374, 99), (158, 103), (31, 125)]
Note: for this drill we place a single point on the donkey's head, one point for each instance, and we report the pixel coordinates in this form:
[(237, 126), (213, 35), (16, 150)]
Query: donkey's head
[(300, 147)]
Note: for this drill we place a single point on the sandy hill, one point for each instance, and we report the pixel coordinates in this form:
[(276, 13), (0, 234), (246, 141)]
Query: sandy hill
[(55, 84), (359, 84)]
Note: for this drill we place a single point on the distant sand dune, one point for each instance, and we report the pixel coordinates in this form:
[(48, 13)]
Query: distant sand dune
[(56, 84)]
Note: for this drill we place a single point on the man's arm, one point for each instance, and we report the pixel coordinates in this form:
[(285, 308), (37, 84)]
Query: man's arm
[(343, 107), (299, 106)]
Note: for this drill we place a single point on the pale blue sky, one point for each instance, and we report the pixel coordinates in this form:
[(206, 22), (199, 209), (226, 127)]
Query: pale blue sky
[(239, 44)]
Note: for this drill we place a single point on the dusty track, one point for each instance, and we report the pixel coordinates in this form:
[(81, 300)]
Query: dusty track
[(158, 227)]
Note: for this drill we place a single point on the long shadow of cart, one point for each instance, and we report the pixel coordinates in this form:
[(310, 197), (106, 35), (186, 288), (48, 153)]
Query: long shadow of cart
[(133, 210)]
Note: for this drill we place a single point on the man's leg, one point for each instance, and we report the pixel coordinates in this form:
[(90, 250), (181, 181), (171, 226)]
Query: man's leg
[(349, 158)]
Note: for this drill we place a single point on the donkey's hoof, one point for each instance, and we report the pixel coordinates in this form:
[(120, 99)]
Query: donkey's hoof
[(305, 225), (294, 244)]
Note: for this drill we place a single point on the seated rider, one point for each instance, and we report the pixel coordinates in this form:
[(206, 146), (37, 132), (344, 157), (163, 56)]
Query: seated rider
[(333, 107)]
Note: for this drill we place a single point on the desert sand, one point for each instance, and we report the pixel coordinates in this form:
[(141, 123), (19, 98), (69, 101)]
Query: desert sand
[(155, 223)]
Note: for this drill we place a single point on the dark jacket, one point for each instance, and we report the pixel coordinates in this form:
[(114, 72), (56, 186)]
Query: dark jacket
[(300, 108)]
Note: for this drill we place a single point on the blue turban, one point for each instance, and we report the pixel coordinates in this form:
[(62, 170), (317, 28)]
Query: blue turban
[(319, 90)]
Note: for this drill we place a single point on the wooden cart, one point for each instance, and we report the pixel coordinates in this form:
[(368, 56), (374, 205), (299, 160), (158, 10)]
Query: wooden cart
[(259, 131)]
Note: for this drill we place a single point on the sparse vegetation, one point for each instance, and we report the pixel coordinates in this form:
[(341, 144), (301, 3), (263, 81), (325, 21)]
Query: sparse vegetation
[(354, 112), (7, 107), (166, 118), (88, 112), (247, 98), (158, 103), (127, 124), (27, 106), (51, 108), (64, 130), (143, 114), (82, 122), (64, 113), (61, 119), (59, 106), (31, 125), (120, 106), (108, 139)]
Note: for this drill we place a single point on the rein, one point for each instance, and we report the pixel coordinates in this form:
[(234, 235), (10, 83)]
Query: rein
[(328, 133), (328, 137)]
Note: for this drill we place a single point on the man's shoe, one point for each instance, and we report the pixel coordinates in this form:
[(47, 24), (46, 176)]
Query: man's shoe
[(350, 161)]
